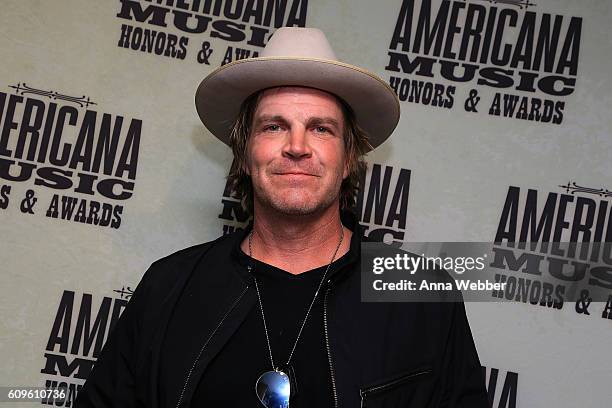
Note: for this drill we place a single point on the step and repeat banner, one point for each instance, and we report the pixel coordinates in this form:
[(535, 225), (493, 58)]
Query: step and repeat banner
[(504, 137)]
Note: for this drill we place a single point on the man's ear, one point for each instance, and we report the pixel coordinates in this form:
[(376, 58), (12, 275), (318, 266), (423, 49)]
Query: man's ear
[(345, 173)]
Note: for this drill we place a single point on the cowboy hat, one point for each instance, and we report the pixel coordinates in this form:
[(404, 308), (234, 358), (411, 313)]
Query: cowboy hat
[(297, 57)]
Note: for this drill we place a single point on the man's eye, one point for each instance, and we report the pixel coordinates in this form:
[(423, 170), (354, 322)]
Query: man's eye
[(321, 129), (272, 128)]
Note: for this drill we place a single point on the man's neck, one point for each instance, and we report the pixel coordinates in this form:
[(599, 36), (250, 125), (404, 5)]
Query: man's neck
[(297, 243)]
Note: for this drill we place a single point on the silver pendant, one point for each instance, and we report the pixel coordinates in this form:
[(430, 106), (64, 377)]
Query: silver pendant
[(273, 388)]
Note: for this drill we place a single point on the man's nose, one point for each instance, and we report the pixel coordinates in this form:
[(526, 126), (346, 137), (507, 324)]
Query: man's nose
[(297, 143)]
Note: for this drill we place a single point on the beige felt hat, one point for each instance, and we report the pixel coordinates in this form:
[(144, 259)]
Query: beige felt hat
[(297, 57)]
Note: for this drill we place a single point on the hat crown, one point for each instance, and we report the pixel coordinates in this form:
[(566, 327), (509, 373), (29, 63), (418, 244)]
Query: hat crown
[(296, 56), (298, 42)]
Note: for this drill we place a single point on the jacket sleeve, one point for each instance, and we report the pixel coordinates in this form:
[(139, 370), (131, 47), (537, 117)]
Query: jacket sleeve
[(111, 383), (463, 378)]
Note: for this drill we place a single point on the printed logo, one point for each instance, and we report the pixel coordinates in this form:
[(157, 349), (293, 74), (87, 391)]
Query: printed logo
[(79, 332), (174, 28), (502, 388), (554, 241), (49, 140), (498, 57)]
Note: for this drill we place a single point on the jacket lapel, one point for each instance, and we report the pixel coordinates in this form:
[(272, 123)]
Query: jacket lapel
[(235, 301)]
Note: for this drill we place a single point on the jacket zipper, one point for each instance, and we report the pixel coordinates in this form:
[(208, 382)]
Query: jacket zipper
[(178, 404), (329, 357), (381, 387)]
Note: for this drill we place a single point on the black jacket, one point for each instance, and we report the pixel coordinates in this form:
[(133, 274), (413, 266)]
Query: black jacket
[(380, 354)]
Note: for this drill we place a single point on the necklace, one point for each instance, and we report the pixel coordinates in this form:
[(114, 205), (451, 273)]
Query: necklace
[(275, 387)]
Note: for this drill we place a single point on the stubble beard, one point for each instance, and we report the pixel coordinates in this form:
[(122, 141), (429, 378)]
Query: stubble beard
[(292, 206)]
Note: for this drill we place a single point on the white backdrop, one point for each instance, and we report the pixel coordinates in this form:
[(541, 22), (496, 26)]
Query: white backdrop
[(66, 58)]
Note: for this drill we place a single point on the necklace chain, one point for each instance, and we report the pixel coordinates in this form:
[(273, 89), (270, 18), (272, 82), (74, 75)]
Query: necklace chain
[(309, 307)]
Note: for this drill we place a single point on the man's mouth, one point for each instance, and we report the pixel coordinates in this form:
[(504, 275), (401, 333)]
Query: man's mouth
[(295, 173)]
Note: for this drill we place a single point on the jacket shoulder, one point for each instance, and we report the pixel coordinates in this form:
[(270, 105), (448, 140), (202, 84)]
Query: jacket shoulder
[(172, 267)]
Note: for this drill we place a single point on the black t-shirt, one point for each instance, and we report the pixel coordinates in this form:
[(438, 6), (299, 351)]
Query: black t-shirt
[(231, 376)]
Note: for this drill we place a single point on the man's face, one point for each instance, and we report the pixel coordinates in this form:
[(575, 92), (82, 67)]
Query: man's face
[(295, 152)]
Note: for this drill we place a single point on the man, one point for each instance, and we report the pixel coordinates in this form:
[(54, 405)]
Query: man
[(271, 316)]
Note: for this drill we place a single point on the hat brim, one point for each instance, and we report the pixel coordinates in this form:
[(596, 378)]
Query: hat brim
[(220, 94)]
